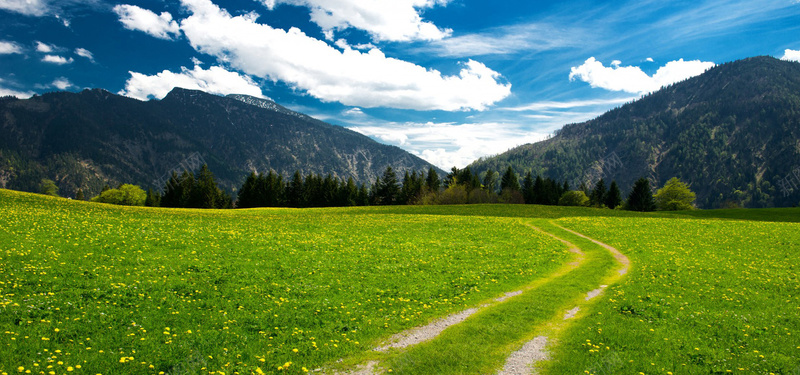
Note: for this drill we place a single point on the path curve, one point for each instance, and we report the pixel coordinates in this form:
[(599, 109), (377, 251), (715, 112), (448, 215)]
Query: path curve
[(427, 332), (617, 255), (521, 361)]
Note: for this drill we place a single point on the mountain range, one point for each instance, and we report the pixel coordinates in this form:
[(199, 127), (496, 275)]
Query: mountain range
[(92, 138), (732, 133)]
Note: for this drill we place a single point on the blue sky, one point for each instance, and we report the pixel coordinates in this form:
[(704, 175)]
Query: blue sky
[(448, 80)]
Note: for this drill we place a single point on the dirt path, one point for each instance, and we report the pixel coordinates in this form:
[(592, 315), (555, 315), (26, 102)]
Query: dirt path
[(421, 334), (522, 361), (621, 258), (519, 362)]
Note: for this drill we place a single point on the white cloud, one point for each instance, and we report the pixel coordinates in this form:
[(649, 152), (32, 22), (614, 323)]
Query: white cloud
[(649, 59), (19, 94), (55, 59), (354, 112), (791, 55), (82, 52), (63, 20), (62, 83), (547, 105), (215, 80), (446, 144), (632, 79), (136, 18), (616, 63), (44, 48), (392, 20), (533, 37), (4, 91), (27, 7), (7, 48), (351, 77)]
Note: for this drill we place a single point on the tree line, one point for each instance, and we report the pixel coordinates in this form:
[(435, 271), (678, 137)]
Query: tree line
[(460, 186)]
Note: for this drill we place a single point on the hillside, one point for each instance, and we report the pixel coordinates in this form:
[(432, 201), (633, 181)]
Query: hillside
[(733, 133), (87, 139)]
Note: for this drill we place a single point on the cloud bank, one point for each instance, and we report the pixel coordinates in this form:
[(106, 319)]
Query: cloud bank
[(214, 80), (448, 144), (632, 79), (351, 77)]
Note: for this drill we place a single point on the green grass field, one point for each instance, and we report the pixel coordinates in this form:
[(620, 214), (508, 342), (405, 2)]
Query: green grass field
[(91, 288)]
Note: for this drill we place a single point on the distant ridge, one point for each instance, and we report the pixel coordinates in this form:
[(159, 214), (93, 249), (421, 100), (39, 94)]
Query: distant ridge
[(87, 139), (733, 133), (267, 104)]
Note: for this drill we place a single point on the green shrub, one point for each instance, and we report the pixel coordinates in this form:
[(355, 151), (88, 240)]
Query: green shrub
[(126, 195)]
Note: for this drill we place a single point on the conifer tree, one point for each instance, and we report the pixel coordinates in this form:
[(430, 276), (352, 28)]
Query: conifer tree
[(641, 197), (247, 192), (490, 180), (386, 189), (152, 199), (598, 196), (294, 190), (172, 192), (79, 195), (363, 195), (432, 181), (349, 193), (614, 196), (539, 191), (509, 180), (527, 189), (204, 192)]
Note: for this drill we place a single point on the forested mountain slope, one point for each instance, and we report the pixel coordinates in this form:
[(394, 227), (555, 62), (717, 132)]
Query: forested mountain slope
[(87, 139), (733, 133)]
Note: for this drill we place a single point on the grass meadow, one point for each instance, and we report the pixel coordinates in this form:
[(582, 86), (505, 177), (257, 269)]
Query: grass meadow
[(90, 288)]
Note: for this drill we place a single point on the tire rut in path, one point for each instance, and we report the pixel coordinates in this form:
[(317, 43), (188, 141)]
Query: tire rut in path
[(427, 332), (521, 362)]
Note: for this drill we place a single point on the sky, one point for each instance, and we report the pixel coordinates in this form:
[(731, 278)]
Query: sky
[(450, 81)]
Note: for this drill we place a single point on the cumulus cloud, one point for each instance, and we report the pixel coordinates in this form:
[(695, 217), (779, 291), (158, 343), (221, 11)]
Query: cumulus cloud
[(7, 48), (791, 55), (27, 7), (62, 83), (82, 52), (58, 60), (448, 144), (214, 80), (135, 18), (632, 79), (351, 77), (394, 20), (44, 47)]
